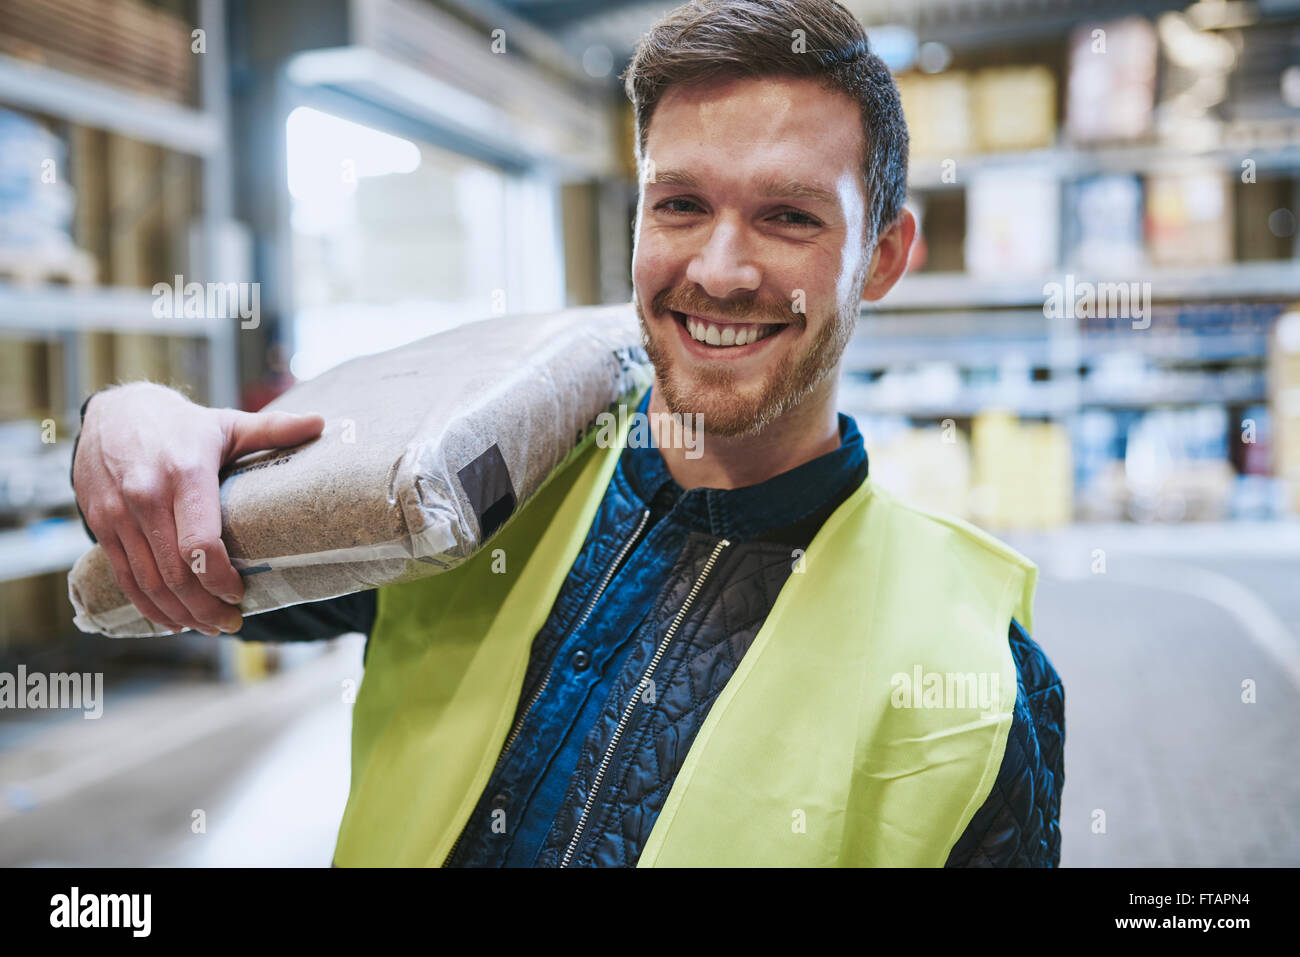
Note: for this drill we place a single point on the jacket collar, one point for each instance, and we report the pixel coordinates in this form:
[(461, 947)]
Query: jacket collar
[(754, 510)]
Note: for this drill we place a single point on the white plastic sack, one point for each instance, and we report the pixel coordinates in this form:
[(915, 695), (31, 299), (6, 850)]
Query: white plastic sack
[(427, 450)]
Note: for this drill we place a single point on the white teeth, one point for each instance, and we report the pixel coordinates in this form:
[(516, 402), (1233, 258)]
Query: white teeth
[(726, 335)]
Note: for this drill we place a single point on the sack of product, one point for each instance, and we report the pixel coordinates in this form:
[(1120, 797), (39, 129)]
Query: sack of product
[(427, 451)]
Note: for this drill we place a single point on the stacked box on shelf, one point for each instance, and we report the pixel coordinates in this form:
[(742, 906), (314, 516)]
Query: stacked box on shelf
[(1104, 234), (22, 385), (1176, 464), (127, 43), (1012, 223), (1284, 398), (1022, 473), (1189, 218), (1029, 124), (938, 114), (36, 206), (929, 467), (955, 114), (1112, 81)]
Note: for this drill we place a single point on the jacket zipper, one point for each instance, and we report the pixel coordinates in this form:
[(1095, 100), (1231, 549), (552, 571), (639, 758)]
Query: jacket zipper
[(591, 606), (636, 696)]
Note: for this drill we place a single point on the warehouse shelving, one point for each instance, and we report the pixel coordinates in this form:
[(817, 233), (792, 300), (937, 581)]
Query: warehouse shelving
[(32, 86), (1073, 162), (62, 312), (200, 132), (50, 545), (961, 291)]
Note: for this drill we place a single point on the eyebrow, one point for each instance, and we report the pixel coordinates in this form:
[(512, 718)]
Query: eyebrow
[(768, 188)]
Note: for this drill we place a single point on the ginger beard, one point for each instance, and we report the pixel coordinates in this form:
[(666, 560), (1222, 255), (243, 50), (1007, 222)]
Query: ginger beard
[(732, 405)]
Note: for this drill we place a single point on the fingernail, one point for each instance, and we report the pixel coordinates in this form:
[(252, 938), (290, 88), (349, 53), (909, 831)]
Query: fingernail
[(230, 599)]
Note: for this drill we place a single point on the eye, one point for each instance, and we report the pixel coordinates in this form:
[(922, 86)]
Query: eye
[(801, 220), (669, 202)]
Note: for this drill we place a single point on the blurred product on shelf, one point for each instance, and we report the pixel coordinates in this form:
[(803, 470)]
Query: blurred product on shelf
[(955, 113), (1022, 475), (1189, 218), (1030, 124), (1104, 230), (33, 471), (1098, 466), (938, 111), (36, 206), (1012, 222), (127, 43), (1284, 399), (22, 383), (1176, 465), (928, 466), (1112, 81)]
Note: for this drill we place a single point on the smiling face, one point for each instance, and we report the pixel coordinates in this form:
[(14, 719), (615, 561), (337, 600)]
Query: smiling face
[(750, 261)]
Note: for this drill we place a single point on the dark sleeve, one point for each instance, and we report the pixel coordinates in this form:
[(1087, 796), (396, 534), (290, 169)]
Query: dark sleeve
[(73, 468), (314, 620), (1019, 824)]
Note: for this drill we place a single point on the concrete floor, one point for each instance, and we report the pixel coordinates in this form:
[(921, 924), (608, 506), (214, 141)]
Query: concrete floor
[(266, 765), (1153, 652)]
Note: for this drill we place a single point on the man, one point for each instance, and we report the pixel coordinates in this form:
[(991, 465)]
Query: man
[(754, 656)]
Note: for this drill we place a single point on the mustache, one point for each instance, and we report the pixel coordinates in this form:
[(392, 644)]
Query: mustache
[(739, 310)]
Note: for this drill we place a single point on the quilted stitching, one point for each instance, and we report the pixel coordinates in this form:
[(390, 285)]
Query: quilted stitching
[(1019, 823)]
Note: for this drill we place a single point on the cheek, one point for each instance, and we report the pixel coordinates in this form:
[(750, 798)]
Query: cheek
[(653, 259)]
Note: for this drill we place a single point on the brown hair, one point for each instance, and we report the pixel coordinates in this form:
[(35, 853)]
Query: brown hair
[(722, 39)]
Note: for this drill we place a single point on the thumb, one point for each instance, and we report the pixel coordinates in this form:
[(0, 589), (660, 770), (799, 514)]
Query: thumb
[(253, 431)]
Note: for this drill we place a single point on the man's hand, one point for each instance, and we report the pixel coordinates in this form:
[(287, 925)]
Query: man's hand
[(145, 477)]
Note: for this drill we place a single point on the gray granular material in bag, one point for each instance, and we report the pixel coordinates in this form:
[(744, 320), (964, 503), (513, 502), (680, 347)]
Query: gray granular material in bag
[(427, 450)]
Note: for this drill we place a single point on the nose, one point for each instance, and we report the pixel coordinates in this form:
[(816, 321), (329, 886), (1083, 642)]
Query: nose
[(721, 267)]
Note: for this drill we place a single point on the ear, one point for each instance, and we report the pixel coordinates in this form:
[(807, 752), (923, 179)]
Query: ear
[(889, 260)]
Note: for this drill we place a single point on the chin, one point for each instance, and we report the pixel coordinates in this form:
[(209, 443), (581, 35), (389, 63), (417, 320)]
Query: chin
[(723, 409)]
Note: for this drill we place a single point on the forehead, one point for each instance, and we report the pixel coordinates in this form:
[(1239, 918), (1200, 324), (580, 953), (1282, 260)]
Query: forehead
[(740, 128)]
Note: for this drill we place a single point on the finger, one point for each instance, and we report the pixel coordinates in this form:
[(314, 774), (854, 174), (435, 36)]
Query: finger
[(126, 581), (140, 557), (254, 431), (177, 569), (197, 512)]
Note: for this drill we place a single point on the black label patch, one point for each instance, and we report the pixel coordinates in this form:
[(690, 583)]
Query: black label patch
[(486, 482)]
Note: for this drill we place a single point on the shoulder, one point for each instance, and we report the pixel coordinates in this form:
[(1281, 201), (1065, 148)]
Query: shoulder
[(1019, 823), (943, 526)]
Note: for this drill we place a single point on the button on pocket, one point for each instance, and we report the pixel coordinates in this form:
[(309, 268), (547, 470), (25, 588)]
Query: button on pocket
[(581, 660)]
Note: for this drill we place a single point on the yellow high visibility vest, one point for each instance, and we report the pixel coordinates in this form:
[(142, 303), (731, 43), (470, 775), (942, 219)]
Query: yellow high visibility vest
[(865, 725)]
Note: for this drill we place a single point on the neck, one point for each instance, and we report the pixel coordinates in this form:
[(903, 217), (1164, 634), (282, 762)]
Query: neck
[(803, 433)]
